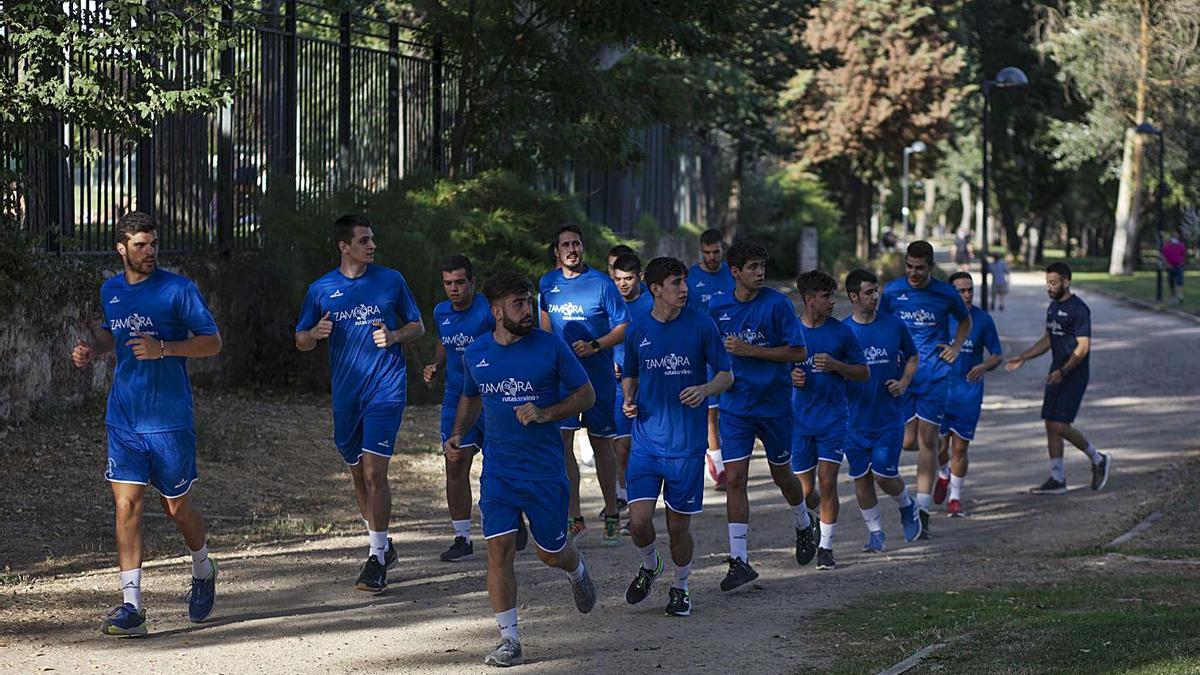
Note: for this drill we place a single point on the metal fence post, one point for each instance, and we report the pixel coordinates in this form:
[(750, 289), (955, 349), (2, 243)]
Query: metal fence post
[(439, 161), (344, 75), (393, 116), (288, 146), (225, 197)]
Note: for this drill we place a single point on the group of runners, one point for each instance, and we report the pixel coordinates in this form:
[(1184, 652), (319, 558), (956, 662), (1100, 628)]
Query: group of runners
[(673, 373)]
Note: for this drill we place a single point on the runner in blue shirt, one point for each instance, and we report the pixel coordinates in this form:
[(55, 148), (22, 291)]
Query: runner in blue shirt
[(582, 306), (710, 278), (1068, 338), (524, 381), (668, 355), (154, 320), (876, 423), (819, 401), (626, 271), (964, 397), (459, 319), (926, 305), (763, 337), (366, 312)]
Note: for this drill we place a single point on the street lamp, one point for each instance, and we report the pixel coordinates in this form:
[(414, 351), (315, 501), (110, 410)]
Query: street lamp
[(1007, 77), (1148, 128), (917, 146)]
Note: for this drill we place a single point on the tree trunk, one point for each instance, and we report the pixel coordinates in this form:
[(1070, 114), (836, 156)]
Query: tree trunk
[(979, 222), (733, 207), (1009, 219), (964, 197), (1124, 254), (925, 215)]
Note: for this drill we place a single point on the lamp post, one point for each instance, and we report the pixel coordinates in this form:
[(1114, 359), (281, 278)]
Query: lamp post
[(1148, 128), (917, 146), (1007, 77)]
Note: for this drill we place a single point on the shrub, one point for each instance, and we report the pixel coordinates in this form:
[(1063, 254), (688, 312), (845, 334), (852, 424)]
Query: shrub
[(777, 207)]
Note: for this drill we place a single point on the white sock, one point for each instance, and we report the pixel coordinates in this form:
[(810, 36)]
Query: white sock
[(956, 486), (1056, 470), (1093, 454), (903, 499), (924, 501), (681, 576), (378, 544), (827, 535), (578, 573), (462, 528), (507, 620), (201, 565), (650, 557), (800, 515), (131, 587), (944, 470), (715, 456), (622, 493), (737, 541), (871, 516)]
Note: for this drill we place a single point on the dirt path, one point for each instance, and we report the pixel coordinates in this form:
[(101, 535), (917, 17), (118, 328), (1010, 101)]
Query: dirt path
[(291, 607)]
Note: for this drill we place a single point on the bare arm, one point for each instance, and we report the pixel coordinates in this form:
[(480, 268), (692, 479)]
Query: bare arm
[(409, 332), (306, 340), (469, 408), (576, 402), (545, 321), (85, 352), (950, 352), (781, 354), (1083, 345), (720, 382), (1040, 347), (898, 387), (614, 337), (148, 347)]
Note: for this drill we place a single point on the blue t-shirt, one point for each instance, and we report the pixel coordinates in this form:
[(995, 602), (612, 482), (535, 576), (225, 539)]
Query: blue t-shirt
[(535, 369), (586, 307), (703, 285), (666, 358), (886, 346), (1066, 321), (965, 398), (361, 373), (820, 404), (926, 312), (760, 388), (457, 330), (152, 396), (639, 308)]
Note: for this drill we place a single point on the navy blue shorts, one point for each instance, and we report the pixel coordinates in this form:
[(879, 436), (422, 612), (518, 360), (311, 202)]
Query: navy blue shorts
[(544, 503), (738, 433), (680, 480), (929, 405), (372, 430), (474, 436), (1061, 401), (166, 460), (960, 425), (808, 449), (874, 451)]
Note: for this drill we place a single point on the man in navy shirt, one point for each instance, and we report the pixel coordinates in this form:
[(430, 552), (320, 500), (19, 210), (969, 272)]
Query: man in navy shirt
[(367, 312), (668, 356), (926, 305), (1068, 338), (154, 320), (964, 397), (819, 401), (626, 272), (710, 278), (763, 338), (459, 319), (583, 307), (524, 381)]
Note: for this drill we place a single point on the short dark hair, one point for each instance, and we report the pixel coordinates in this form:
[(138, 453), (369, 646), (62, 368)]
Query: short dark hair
[(920, 249), (133, 223), (504, 284), (961, 275), (743, 251), (343, 228), (458, 262), (1060, 268), (711, 236), (813, 282), (856, 278), (566, 227), (619, 250), (628, 262), (662, 268)]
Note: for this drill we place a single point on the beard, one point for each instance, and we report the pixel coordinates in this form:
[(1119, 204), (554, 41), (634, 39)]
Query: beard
[(521, 327), (1057, 295)]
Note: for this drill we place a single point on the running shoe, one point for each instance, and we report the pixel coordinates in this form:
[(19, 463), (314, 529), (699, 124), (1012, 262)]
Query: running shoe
[(806, 544), (941, 488), (612, 531), (460, 550), (875, 542), (825, 559), (1100, 472), (1050, 487), (954, 508), (389, 556), (740, 572), (622, 507), (639, 588), (508, 653), (679, 602), (923, 516), (124, 620), (625, 529), (373, 577), (522, 533), (910, 522), (202, 595), (576, 528), (584, 590)]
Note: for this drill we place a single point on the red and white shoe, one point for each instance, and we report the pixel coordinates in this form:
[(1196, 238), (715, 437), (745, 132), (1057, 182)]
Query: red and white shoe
[(941, 488), (954, 508)]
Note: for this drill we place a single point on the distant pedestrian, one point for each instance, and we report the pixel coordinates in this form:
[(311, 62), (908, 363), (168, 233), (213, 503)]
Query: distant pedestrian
[(999, 270), (962, 250), (1174, 254)]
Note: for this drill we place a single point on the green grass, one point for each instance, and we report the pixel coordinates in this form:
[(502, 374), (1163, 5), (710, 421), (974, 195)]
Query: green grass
[(1141, 285), (1160, 552), (1093, 624)]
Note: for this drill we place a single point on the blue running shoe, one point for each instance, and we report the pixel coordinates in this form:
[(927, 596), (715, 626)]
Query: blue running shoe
[(202, 595), (912, 524), (125, 620), (875, 543)]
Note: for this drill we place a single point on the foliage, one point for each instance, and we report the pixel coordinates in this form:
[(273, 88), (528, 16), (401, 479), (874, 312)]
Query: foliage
[(776, 209)]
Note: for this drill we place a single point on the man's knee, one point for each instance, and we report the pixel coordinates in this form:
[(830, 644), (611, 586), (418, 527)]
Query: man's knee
[(459, 468), (175, 508), (1056, 427), (735, 475), (127, 505)]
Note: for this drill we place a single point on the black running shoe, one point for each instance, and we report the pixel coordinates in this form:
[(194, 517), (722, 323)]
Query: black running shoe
[(923, 516), (680, 603), (740, 572), (460, 550), (522, 533), (806, 546), (639, 588), (1100, 472), (389, 556), (373, 577), (1051, 487), (825, 559)]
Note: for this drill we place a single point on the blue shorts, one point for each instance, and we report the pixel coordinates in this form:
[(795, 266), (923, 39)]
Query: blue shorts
[(808, 449), (875, 451), (738, 433), (623, 426), (474, 436), (1061, 402), (598, 420), (166, 460), (929, 405), (680, 480), (960, 425), (372, 430), (544, 503)]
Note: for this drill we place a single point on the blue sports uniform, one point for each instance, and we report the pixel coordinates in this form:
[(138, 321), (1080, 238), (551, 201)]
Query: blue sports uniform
[(759, 402), (965, 399), (523, 466), (927, 313), (819, 407), (151, 428), (639, 308), (587, 307), (1066, 321), (669, 438), (703, 286), (876, 422), (457, 330), (368, 383)]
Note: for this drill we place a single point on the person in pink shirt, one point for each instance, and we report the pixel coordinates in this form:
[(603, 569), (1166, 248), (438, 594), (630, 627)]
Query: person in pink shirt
[(1174, 254)]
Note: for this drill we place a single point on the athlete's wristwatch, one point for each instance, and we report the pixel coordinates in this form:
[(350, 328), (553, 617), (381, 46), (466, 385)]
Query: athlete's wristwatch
[(595, 346)]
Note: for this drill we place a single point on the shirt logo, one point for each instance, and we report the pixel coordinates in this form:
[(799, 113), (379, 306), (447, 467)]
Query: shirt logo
[(114, 300), (446, 321), (570, 311), (361, 314), (1061, 313), (554, 289), (699, 284), (671, 364), (645, 343), (902, 296), (920, 317), (458, 341), (482, 363), (337, 294), (724, 317), (875, 356), (750, 336), (133, 323), (511, 390)]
